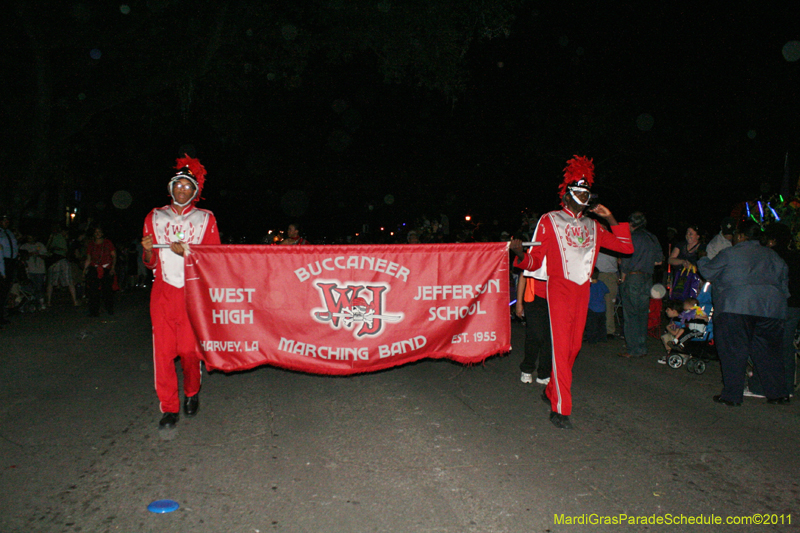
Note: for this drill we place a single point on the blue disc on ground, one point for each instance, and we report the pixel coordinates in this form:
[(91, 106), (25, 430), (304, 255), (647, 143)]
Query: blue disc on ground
[(163, 506)]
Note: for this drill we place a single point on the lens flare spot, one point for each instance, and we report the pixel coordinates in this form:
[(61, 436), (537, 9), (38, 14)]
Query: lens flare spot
[(289, 32), (645, 122), (791, 51)]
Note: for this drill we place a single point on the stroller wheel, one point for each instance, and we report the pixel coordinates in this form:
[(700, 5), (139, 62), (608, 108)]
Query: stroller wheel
[(691, 365), (675, 361), (699, 367)]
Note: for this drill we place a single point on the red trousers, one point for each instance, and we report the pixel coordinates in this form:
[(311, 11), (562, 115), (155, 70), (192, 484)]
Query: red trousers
[(173, 337), (568, 303)]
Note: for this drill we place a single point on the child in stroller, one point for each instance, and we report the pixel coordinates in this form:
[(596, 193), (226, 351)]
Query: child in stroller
[(690, 322), (21, 296)]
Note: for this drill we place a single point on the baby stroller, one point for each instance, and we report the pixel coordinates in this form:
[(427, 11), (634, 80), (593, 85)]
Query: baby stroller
[(21, 297), (697, 341)]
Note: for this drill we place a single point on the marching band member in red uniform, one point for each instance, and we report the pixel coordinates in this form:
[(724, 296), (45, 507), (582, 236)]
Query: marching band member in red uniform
[(570, 242), (175, 225)]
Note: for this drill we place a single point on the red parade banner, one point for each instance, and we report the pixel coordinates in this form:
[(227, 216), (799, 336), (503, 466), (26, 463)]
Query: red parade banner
[(347, 309)]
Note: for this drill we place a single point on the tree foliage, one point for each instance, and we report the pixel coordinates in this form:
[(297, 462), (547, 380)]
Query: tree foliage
[(80, 65)]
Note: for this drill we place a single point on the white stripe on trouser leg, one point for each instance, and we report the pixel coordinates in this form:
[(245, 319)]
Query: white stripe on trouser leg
[(554, 371)]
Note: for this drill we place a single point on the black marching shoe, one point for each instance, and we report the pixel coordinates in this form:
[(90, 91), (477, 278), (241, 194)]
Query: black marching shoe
[(783, 400), (718, 399), (191, 404), (168, 421), (560, 421)]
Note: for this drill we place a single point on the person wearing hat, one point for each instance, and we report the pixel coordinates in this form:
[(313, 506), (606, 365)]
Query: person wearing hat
[(723, 239), (778, 237), (175, 225), (750, 301), (637, 281), (569, 242)]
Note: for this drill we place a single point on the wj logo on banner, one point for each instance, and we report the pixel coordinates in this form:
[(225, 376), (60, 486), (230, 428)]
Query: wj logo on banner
[(354, 306)]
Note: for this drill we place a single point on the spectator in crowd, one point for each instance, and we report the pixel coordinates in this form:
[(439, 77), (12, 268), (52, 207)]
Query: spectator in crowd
[(778, 237), (569, 238), (673, 310), (752, 285), (528, 225), (293, 235), (608, 268), (686, 253), (723, 239), (173, 225), (9, 248), (680, 314), (57, 247), (99, 269), (691, 310), (596, 316), (77, 258), (532, 305), (35, 264), (59, 273), (637, 280)]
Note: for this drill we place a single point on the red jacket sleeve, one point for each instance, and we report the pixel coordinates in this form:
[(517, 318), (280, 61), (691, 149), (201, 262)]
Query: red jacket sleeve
[(148, 230), (533, 259), (618, 240), (211, 236)]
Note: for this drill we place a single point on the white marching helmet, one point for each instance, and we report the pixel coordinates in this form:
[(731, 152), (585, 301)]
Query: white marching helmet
[(188, 168), (658, 291)]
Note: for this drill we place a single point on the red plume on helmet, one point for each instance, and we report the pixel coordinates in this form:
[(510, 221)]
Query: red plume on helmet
[(193, 167), (579, 171)]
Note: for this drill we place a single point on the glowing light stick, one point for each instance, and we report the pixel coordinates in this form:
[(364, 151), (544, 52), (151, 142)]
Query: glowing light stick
[(760, 209), (747, 206), (774, 213)]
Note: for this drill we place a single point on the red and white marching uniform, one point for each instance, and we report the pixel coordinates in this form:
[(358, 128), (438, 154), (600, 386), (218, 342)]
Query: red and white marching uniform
[(569, 247), (172, 334)]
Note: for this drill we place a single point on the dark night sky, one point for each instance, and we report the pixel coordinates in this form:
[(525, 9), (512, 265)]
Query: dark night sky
[(567, 80)]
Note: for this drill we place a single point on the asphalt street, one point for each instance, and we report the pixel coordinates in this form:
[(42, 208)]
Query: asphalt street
[(429, 447)]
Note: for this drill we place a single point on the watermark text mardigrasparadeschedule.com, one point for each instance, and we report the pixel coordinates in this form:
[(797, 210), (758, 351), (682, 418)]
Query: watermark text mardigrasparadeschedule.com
[(755, 519)]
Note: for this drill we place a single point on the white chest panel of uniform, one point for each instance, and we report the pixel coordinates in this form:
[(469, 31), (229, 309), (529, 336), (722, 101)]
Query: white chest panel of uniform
[(169, 227), (577, 240)]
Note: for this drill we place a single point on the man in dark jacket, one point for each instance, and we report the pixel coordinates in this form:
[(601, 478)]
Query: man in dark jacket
[(751, 285), (637, 280), (778, 236)]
